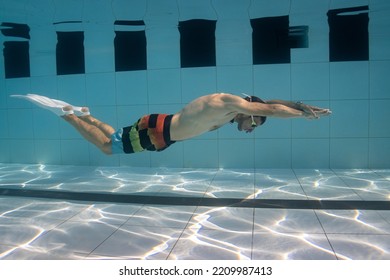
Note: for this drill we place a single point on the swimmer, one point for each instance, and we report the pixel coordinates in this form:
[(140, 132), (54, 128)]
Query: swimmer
[(156, 132)]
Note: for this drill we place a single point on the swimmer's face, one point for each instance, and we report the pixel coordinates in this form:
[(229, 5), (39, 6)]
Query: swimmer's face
[(245, 123)]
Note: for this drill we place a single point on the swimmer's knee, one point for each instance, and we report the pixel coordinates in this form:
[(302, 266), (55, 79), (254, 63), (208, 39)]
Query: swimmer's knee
[(107, 148)]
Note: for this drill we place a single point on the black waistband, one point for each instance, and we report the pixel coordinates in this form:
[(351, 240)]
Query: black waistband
[(167, 130)]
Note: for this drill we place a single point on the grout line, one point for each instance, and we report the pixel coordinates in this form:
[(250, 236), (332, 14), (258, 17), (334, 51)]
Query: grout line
[(318, 219), (119, 227), (190, 218)]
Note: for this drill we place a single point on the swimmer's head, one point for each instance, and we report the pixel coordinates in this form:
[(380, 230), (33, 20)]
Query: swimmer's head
[(253, 98)]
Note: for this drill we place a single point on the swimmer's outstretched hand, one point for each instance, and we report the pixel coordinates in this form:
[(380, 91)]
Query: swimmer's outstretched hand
[(313, 112)]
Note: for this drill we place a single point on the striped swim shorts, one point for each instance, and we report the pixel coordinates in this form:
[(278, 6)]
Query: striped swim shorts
[(151, 132)]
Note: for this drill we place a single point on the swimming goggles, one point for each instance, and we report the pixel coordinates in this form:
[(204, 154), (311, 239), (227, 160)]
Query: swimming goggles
[(254, 124)]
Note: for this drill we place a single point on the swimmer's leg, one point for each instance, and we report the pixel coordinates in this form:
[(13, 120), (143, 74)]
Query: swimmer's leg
[(91, 133), (105, 128)]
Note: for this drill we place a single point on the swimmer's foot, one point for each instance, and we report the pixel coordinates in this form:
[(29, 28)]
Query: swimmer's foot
[(78, 111), (46, 103)]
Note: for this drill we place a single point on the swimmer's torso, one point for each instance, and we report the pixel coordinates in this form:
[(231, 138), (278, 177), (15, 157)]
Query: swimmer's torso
[(204, 114)]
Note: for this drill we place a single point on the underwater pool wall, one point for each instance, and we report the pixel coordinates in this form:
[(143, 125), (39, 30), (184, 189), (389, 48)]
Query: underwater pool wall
[(125, 59)]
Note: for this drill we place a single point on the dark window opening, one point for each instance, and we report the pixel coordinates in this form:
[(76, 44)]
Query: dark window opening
[(197, 43), (130, 47), (70, 53), (272, 39), (348, 35), (16, 53), (16, 59)]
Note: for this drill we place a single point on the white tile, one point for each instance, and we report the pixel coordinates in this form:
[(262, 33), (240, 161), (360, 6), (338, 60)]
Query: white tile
[(379, 156), (72, 238), (20, 231), (353, 221), (13, 11), (277, 221), (272, 81), (379, 84), (42, 49), (201, 244), (99, 49), (368, 185), (75, 152), (231, 9), (17, 86), (304, 149), (131, 88), (308, 6), (171, 157), (242, 158), (166, 11), (201, 153), (235, 79), (141, 243), (129, 9), (164, 86), (68, 11), (262, 8), (347, 153), (162, 216), (275, 128), (128, 115), (233, 42), (5, 154), (3, 124), (111, 214), (44, 85), (72, 89), (379, 32), (277, 184), (43, 120), (344, 119), (229, 219), (197, 82), (339, 4), (324, 184), (100, 89), (379, 115), (360, 246), (97, 11), (298, 246), (47, 151), (310, 81), (349, 80), (21, 120), (272, 153), (196, 10)]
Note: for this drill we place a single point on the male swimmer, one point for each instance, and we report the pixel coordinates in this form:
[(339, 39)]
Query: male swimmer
[(156, 132)]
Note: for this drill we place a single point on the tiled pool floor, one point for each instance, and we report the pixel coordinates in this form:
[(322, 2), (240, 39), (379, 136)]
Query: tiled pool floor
[(73, 212)]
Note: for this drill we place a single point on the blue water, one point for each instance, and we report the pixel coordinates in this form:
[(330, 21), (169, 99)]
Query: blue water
[(357, 91), (294, 189)]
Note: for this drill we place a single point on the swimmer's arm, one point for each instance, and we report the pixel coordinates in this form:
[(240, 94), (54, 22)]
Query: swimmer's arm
[(308, 109), (242, 106), (291, 104)]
